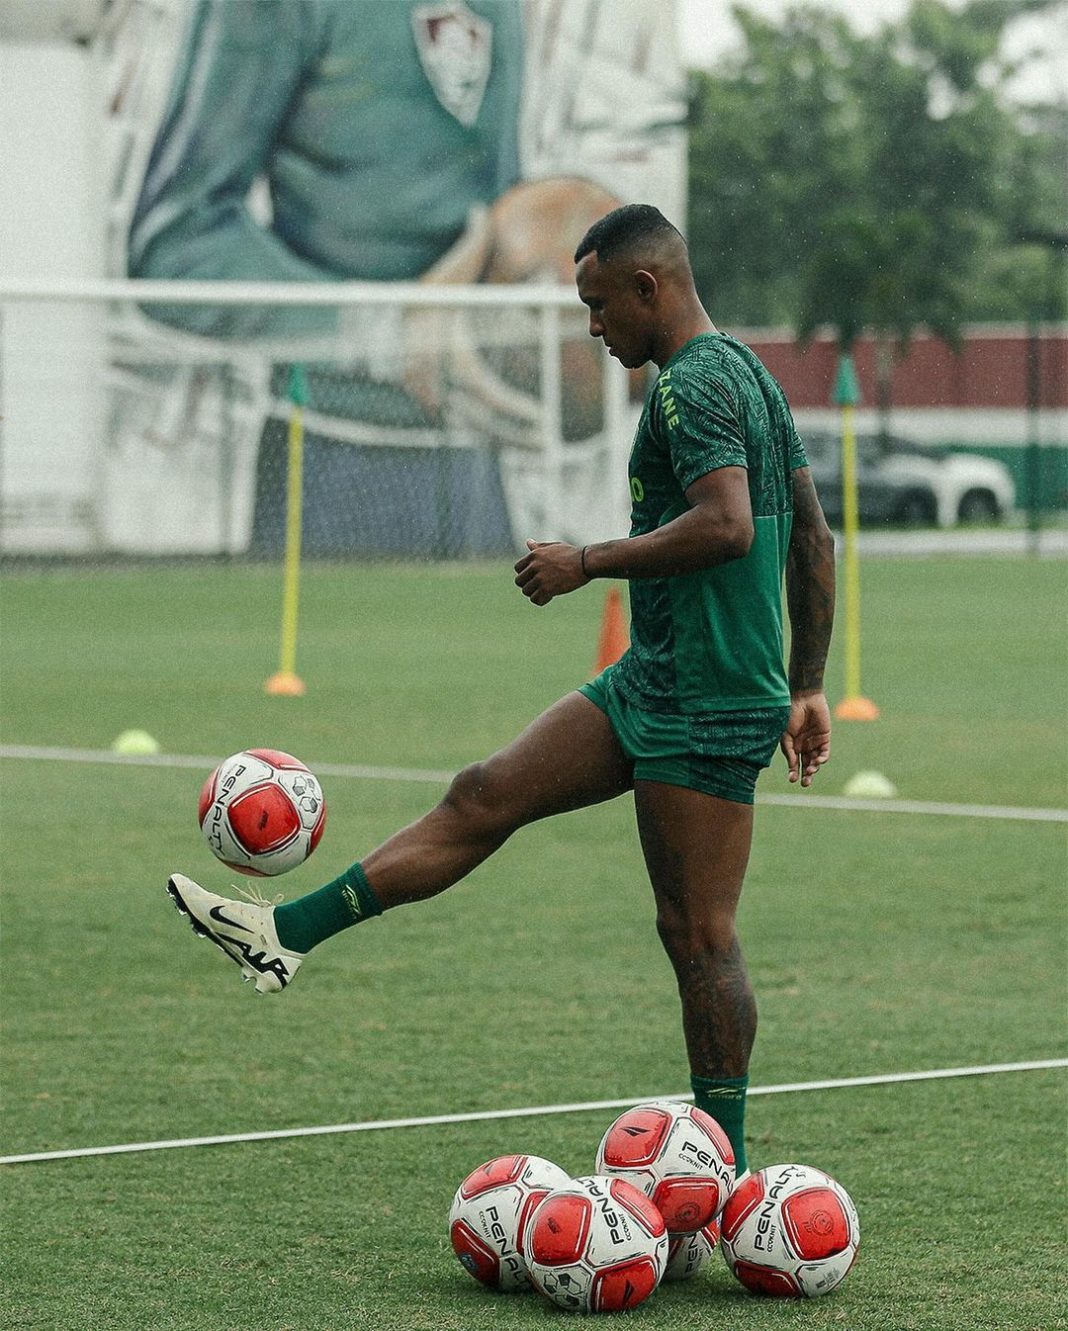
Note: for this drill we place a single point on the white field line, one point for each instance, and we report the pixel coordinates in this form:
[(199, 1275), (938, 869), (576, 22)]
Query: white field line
[(207, 763), (534, 1111), (355, 771), (1005, 811)]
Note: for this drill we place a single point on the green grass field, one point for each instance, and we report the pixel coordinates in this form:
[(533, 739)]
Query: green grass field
[(878, 943)]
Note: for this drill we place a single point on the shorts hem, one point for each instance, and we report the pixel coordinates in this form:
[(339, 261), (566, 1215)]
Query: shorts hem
[(702, 784)]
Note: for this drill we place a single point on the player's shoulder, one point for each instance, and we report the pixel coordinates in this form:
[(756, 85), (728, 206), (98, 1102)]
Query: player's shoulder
[(716, 356), (709, 370), (728, 351)]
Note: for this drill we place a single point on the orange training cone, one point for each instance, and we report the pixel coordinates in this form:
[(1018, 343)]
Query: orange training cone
[(614, 639)]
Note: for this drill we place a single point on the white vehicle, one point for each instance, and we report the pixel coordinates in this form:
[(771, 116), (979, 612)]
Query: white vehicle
[(910, 484)]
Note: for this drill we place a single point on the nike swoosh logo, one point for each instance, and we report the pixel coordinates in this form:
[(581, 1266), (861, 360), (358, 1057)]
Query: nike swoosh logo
[(258, 961), (217, 915)]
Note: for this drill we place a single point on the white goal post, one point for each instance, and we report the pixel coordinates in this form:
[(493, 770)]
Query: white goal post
[(441, 421)]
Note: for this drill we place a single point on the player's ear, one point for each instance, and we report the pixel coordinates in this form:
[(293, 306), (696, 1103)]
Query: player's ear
[(645, 284)]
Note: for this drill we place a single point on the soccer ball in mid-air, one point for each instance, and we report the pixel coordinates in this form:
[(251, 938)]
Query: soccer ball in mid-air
[(790, 1231), (490, 1212), (678, 1155), (262, 812), (596, 1245), (690, 1253)]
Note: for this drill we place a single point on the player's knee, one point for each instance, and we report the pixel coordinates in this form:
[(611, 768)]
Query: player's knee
[(689, 938), (475, 801)]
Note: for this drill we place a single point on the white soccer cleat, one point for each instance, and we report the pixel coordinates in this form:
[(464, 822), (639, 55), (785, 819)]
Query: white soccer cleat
[(243, 930)]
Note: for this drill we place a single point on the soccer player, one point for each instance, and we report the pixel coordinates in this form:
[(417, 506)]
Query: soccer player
[(723, 506)]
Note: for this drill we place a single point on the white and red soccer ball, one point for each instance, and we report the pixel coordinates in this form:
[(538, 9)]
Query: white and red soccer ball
[(596, 1245), (677, 1155), (790, 1231), (262, 812), (690, 1253), (489, 1215)]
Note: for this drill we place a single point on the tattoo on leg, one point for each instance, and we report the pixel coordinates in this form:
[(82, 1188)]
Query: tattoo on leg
[(719, 1014)]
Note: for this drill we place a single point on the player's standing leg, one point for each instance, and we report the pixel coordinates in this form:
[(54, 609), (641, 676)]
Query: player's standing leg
[(696, 848), (566, 759)]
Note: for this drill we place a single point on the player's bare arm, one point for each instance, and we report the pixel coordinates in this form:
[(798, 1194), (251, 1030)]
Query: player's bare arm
[(716, 528), (810, 588)]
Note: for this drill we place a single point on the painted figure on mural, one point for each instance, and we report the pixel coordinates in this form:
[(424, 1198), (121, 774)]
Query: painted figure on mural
[(321, 140)]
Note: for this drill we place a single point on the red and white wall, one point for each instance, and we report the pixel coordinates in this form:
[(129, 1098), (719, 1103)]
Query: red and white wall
[(979, 399)]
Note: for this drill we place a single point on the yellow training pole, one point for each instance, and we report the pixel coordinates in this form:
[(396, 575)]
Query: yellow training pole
[(287, 682), (854, 706)]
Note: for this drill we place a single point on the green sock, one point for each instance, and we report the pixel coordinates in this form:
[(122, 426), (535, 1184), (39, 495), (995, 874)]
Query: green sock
[(304, 923), (724, 1099)]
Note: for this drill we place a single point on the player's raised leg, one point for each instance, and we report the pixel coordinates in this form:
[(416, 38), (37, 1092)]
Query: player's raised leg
[(696, 848), (566, 759)]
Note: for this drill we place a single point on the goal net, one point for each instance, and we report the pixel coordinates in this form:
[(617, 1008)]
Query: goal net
[(436, 423)]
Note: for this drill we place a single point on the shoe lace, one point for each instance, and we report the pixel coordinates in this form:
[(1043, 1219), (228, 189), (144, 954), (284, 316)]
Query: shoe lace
[(257, 898)]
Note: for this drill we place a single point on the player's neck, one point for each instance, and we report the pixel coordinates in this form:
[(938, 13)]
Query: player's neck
[(682, 331)]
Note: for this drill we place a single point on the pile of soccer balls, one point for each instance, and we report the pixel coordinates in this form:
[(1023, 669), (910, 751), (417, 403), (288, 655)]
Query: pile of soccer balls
[(661, 1199)]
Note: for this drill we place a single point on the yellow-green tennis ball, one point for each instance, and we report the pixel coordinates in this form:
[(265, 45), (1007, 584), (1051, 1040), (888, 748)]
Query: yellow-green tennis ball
[(870, 786), (132, 742)]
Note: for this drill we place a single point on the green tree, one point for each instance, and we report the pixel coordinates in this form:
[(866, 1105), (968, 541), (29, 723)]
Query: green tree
[(869, 182), (772, 153)]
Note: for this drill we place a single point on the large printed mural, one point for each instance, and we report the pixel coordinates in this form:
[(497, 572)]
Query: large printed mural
[(462, 141)]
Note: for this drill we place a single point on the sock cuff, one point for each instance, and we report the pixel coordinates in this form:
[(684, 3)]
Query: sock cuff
[(359, 895), (720, 1088)]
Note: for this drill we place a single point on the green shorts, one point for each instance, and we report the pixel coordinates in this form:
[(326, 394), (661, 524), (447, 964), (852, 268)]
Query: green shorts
[(719, 753)]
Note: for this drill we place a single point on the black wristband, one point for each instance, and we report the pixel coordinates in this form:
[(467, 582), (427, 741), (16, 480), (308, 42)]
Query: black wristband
[(582, 561)]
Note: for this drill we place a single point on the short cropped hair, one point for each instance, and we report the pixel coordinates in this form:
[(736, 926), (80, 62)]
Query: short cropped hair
[(624, 228)]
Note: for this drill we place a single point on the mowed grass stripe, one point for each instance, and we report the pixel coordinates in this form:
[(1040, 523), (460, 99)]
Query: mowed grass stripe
[(363, 772)]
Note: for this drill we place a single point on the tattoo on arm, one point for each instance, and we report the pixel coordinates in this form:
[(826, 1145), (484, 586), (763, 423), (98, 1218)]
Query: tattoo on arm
[(809, 586)]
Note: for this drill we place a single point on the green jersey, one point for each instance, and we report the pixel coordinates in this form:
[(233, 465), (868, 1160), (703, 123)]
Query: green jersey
[(712, 641)]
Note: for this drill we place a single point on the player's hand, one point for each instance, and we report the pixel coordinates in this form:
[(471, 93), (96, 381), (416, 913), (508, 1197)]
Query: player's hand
[(548, 569), (806, 741)]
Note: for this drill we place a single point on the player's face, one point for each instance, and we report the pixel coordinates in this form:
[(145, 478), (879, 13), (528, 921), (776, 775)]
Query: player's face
[(620, 313)]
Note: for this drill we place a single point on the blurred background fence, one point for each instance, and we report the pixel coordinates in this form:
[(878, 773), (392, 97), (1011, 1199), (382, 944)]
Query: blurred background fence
[(438, 423), (446, 422), (886, 181)]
